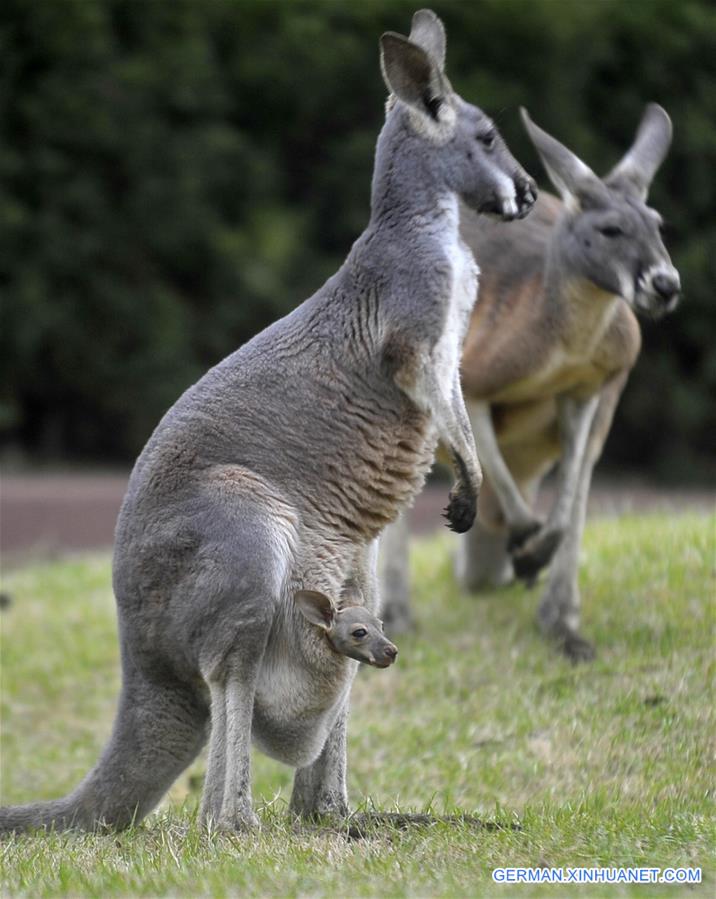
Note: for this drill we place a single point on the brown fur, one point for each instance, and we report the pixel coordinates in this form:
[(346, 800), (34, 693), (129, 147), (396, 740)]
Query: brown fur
[(519, 352)]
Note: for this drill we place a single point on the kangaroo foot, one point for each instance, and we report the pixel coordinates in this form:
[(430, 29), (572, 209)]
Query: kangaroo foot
[(461, 509), (576, 648), (568, 641), (325, 807), (535, 554), (238, 822)]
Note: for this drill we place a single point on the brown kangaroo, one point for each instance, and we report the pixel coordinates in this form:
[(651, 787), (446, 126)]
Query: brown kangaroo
[(549, 347)]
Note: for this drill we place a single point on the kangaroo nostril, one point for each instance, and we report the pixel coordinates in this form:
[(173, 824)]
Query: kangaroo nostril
[(391, 651), (665, 285)]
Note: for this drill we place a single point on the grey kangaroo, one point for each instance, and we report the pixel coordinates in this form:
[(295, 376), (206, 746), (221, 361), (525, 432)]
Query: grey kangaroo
[(277, 471), (546, 357)]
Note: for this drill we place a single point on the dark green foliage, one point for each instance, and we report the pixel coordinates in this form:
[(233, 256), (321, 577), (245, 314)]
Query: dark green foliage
[(176, 175)]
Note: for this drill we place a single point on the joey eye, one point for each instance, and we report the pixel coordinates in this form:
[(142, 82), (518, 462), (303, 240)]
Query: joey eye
[(359, 633), (611, 231), (487, 140)]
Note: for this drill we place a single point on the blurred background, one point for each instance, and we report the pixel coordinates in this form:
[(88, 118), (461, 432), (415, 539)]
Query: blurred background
[(176, 174)]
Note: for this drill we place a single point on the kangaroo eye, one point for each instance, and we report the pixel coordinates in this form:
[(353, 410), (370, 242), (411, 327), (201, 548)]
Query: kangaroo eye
[(359, 633), (611, 231), (487, 140)]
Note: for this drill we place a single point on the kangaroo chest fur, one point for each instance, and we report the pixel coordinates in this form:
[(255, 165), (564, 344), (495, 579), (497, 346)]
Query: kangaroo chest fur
[(463, 274), (448, 349)]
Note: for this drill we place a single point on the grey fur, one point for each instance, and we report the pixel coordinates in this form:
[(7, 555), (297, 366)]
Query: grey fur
[(411, 74), (634, 173), (547, 355), (276, 473), (427, 31)]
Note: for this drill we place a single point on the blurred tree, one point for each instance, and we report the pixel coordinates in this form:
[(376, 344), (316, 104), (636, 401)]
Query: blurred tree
[(176, 175)]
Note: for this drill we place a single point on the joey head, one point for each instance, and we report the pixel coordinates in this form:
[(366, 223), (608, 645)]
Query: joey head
[(353, 631)]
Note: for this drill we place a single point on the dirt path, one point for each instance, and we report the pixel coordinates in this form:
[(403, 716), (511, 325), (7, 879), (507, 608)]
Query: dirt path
[(44, 515)]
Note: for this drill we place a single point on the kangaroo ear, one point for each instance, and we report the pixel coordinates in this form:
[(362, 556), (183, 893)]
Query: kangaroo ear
[(351, 595), (410, 73), (316, 607), (637, 169), (565, 169), (428, 32)]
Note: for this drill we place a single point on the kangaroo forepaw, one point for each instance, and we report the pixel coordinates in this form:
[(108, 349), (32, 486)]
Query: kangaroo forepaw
[(535, 554), (461, 509), (520, 534)]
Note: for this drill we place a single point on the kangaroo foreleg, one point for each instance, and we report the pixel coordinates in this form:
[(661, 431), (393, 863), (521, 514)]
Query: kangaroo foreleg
[(420, 381), (575, 422), (521, 520), (456, 434)]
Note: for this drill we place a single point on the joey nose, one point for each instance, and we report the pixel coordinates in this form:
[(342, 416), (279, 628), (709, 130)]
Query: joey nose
[(391, 652)]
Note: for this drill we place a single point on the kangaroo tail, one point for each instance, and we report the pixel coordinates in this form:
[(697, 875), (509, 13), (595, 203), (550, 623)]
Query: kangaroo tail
[(158, 731)]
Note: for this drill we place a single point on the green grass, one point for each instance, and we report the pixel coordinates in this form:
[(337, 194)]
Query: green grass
[(605, 764)]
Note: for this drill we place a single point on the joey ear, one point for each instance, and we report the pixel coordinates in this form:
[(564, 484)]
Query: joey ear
[(637, 169), (316, 607), (411, 75), (428, 32), (565, 169)]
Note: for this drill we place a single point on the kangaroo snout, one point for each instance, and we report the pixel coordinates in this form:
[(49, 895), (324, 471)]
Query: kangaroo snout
[(512, 199), (391, 653), (658, 292), (667, 287), (385, 657)]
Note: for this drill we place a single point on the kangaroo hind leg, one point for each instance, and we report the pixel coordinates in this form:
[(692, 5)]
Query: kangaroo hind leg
[(320, 788), (240, 591)]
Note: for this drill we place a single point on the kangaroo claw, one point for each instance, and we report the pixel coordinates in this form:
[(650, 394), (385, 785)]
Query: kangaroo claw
[(518, 536), (461, 511), (535, 554)]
